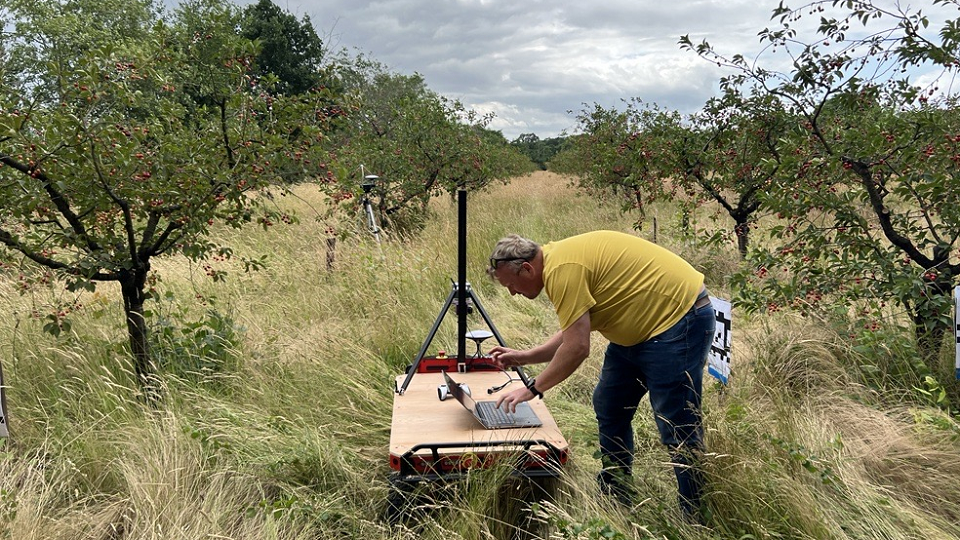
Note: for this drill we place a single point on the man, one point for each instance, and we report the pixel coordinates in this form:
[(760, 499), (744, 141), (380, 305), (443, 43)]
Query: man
[(652, 307)]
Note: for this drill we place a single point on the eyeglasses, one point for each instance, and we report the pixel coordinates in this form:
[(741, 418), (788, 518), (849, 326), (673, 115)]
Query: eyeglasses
[(494, 262)]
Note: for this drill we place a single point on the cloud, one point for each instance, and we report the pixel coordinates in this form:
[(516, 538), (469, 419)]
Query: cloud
[(532, 62)]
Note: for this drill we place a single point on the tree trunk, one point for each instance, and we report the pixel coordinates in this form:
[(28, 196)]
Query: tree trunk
[(331, 252), (742, 230), (132, 287), (929, 341), (929, 326)]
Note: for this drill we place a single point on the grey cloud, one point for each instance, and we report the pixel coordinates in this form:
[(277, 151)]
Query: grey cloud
[(531, 62)]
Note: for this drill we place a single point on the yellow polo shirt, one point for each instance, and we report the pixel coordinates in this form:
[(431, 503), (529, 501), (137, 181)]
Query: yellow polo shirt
[(633, 288)]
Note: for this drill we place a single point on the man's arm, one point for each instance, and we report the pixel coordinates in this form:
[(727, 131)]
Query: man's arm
[(572, 348), (544, 352)]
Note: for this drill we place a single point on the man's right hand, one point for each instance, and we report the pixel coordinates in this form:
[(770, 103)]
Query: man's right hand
[(505, 357)]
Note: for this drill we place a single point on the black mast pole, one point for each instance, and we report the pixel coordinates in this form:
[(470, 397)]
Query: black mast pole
[(462, 309)]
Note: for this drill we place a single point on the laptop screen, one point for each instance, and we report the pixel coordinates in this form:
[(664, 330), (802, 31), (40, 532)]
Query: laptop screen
[(458, 393)]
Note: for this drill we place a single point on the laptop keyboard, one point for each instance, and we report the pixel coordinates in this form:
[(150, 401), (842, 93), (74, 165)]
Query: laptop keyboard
[(489, 411)]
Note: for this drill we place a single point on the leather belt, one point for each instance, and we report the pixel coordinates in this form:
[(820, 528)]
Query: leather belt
[(703, 300)]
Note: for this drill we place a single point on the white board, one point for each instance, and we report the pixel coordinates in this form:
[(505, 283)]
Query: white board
[(956, 321), (4, 432), (718, 359)]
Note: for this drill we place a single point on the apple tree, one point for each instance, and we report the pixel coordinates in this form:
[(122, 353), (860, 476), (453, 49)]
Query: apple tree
[(620, 155), (729, 156), (868, 180), (125, 137), (725, 155), (418, 143)]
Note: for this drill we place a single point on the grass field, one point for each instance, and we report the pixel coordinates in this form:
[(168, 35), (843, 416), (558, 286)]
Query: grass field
[(268, 430)]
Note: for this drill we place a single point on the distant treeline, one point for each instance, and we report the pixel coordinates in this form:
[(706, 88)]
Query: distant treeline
[(540, 151)]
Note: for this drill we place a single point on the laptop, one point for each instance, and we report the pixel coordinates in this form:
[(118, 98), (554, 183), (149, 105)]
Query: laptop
[(487, 413)]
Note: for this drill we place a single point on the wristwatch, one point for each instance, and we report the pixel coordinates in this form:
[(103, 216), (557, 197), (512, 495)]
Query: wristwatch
[(531, 386)]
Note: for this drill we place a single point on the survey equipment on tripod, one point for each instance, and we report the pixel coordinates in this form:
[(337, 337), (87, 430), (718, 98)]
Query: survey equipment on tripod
[(367, 184), (465, 301), (478, 337)]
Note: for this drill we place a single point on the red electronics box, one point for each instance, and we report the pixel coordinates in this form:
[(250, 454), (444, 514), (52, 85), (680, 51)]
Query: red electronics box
[(442, 362)]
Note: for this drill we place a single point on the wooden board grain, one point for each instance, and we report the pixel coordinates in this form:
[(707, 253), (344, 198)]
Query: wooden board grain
[(420, 418)]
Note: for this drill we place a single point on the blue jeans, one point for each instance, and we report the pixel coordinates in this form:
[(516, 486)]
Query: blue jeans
[(670, 368)]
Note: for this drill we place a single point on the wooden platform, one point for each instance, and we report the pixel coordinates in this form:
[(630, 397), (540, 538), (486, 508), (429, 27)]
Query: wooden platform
[(429, 436)]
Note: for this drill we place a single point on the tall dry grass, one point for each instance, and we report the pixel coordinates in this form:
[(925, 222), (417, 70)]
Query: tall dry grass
[(283, 433)]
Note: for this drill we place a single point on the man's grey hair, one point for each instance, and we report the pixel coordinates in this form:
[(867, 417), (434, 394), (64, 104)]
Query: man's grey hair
[(514, 250)]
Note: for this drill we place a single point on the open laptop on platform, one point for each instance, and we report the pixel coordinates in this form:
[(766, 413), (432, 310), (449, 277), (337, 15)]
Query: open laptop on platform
[(487, 413)]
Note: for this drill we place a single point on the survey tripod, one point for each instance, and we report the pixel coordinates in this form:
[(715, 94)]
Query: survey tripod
[(461, 296), (368, 183)]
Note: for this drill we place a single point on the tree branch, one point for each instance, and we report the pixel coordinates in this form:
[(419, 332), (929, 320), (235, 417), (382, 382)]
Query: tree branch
[(883, 214), (57, 198)]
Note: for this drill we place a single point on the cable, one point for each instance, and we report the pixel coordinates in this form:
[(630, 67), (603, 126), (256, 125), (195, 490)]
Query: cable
[(500, 387)]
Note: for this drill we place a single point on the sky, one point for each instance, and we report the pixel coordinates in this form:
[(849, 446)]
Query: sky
[(535, 64)]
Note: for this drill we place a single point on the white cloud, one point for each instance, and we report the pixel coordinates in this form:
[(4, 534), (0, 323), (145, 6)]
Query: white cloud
[(530, 62)]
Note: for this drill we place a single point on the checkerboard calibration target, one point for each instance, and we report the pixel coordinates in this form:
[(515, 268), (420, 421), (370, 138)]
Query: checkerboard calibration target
[(718, 359)]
